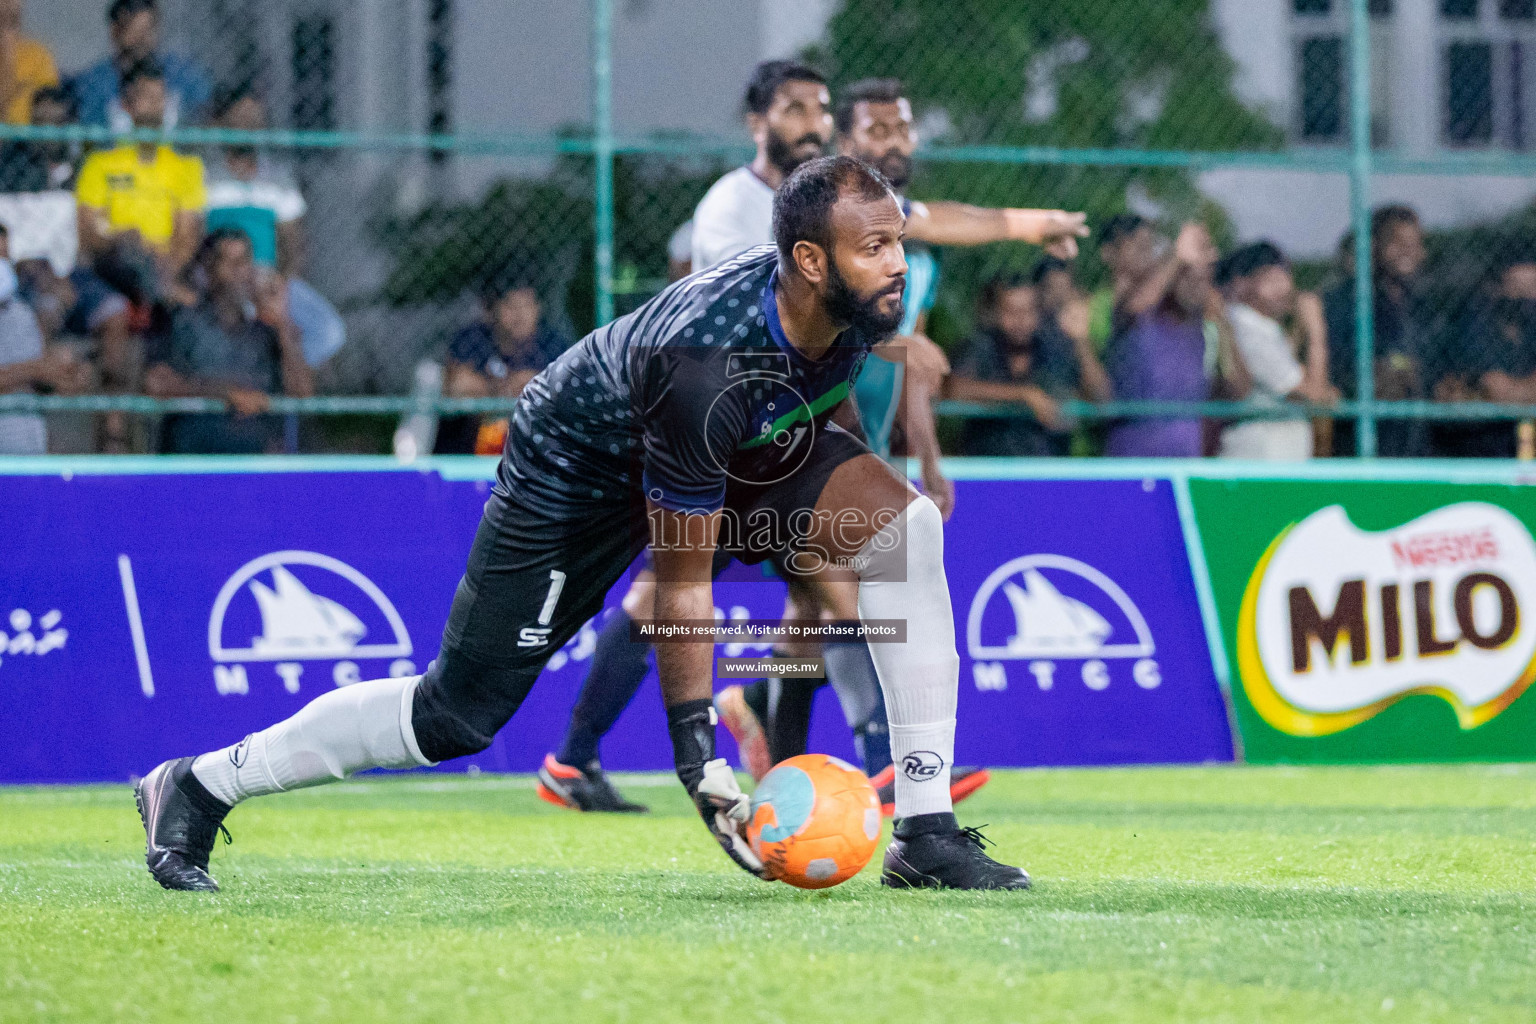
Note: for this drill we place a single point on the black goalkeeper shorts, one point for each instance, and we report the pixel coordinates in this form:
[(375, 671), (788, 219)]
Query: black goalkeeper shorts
[(534, 578)]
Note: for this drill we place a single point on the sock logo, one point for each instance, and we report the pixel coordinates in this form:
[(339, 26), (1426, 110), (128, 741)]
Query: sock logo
[(922, 765), (240, 752)]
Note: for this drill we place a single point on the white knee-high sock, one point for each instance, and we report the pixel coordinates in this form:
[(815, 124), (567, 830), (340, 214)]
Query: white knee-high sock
[(365, 725), (902, 577)]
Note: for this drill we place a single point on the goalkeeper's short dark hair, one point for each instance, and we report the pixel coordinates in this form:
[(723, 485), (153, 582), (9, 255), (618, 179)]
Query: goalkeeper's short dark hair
[(802, 207)]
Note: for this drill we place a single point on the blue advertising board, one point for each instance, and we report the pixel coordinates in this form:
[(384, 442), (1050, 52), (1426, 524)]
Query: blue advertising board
[(148, 616), (199, 607), (1078, 627)]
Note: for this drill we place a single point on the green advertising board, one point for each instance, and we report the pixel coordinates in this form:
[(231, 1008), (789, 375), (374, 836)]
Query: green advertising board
[(1375, 621)]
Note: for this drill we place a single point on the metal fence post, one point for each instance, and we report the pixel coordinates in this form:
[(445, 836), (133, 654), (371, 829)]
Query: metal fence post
[(1360, 214), (602, 156)]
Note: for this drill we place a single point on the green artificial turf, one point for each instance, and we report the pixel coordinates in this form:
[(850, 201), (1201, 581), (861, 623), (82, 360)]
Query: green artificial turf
[(1208, 894)]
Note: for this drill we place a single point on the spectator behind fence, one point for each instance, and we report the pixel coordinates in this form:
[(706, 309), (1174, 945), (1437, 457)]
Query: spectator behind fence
[(27, 365), (25, 66), (37, 202), (1493, 360), (1021, 354), (1159, 342), (1124, 243), (141, 204), (217, 349), (30, 166), (1060, 301), (256, 192), (496, 357), (1261, 294), (1400, 329), (73, 304), (1063, 303), (134, 28)]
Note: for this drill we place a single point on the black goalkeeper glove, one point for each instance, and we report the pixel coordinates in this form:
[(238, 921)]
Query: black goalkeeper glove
[(710, 781)]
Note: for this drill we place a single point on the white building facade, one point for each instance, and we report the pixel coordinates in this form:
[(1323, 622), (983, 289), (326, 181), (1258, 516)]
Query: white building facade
[(1447, 76)]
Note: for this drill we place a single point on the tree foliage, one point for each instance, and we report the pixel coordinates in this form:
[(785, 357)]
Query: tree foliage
[(980, 61), (1101, 74), (540, 230)]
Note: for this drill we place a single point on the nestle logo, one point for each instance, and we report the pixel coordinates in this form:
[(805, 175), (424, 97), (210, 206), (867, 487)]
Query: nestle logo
[(1445, 548), (922, 765)]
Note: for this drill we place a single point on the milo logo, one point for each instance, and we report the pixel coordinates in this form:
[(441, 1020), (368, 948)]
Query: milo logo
[(1338, 623)]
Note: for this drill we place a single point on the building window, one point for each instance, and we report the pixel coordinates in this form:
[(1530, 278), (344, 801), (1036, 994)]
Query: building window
[(440, 67), (1321, 55), (1485, 74), (1320, 8), (235, 55), (1323, 91), (314, 74), (1468, 94), (439, 72), (1518, 128)]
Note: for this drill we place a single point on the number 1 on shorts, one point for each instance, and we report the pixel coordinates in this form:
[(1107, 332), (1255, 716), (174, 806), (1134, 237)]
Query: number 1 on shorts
[(556, 584)]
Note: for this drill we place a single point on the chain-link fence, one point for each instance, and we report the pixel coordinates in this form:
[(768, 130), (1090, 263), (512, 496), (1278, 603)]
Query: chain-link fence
[(463, 182)]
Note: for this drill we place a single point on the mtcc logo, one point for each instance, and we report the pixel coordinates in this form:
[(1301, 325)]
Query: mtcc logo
[(1049, 609), (293, 607)]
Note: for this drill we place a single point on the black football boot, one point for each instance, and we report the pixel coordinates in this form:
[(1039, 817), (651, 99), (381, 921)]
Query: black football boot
[(931, 851), (182, 820)]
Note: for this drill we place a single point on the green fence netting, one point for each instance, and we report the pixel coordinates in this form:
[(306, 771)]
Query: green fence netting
[(447, 150)]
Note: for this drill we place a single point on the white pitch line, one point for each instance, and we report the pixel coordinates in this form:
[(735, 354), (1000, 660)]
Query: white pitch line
[(136, 625)]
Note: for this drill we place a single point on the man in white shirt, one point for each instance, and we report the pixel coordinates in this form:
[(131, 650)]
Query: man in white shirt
[(789, 111), (258, 193), (1261, 293), (27, 365)]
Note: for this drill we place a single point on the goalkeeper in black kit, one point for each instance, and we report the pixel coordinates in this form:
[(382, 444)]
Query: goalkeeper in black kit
[(713, 422)]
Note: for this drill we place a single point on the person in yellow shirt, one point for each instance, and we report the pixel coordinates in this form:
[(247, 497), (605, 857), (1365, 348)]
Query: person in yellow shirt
[(142, 197), (25, 66)]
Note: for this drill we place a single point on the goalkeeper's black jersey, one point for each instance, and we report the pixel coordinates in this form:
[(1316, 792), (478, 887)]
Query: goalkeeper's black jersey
[(697, 388)]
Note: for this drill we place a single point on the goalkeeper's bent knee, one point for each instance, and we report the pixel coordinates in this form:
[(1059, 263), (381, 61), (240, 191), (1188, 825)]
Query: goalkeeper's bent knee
[(461, 704)]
